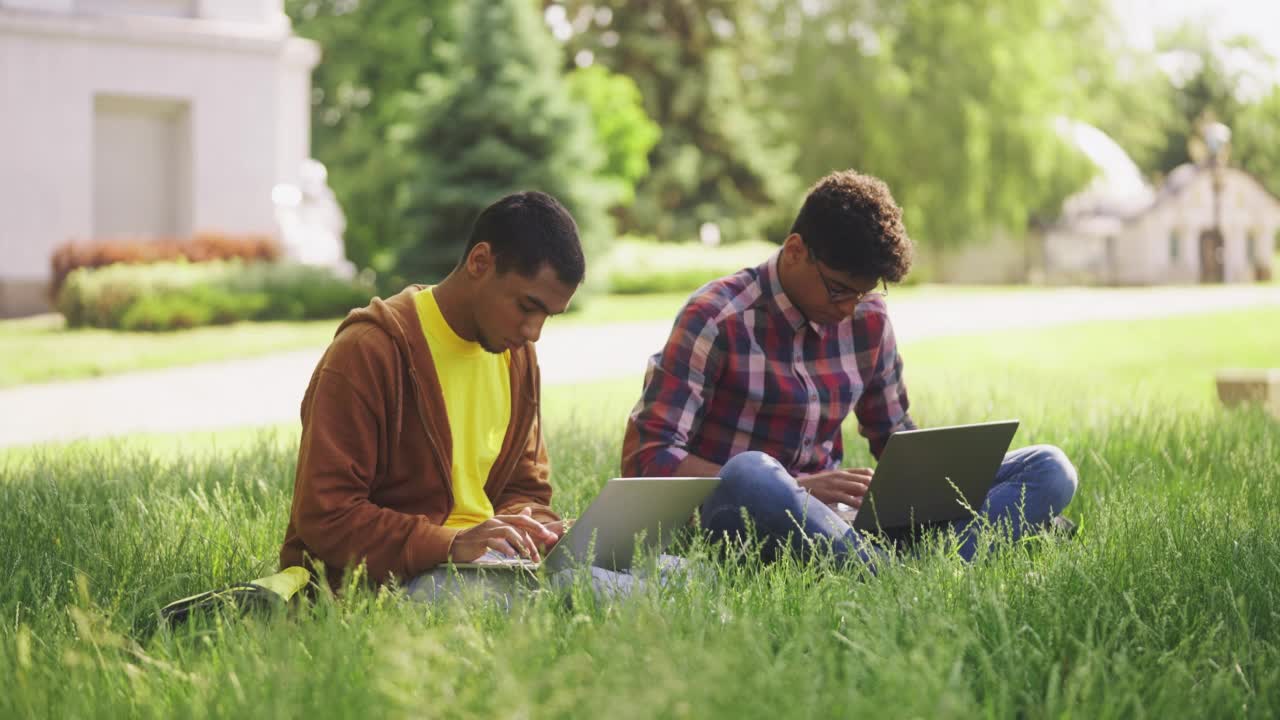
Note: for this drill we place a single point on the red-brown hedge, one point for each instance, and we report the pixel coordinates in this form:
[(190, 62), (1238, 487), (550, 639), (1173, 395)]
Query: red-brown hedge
[(203, 247)]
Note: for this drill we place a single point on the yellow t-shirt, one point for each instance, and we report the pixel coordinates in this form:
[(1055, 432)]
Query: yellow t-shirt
[(477, 397)]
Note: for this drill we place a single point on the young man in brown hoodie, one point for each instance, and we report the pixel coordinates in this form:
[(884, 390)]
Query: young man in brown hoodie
[(421, 427)]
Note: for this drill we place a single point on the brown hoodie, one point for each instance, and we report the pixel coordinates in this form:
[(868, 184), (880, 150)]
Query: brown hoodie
[(374, 479)]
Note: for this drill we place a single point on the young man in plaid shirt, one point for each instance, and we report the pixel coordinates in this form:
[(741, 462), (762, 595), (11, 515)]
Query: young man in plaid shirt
[(763, 366)]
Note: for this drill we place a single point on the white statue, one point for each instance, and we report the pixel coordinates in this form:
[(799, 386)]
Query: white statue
[(311, 222)]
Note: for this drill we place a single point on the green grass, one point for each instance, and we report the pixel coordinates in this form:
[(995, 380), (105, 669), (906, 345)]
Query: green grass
[(1166, 604), (42, 349)]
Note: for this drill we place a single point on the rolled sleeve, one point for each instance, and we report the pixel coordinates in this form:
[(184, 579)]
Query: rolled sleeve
[(679, 382), (883, 407)]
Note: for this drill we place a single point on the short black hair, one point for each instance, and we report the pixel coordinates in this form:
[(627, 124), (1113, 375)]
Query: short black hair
[(851, 223), (527, 229)]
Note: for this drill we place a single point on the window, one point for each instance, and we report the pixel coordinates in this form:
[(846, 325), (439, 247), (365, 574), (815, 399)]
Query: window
[(141, 166), (1174, 242)]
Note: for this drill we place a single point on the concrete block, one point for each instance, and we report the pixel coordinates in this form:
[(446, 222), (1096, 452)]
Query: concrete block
[(1258, 386)]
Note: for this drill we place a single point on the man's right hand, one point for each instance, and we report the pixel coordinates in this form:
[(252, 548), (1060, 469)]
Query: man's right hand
[(512, 535), (846, 485)]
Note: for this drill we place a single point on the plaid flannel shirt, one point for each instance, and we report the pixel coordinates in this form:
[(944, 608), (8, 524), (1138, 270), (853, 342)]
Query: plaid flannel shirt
[(744, 370)]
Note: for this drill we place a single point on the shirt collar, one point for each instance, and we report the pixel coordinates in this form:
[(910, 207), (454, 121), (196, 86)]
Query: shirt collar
[(771, 283), (440, 334)]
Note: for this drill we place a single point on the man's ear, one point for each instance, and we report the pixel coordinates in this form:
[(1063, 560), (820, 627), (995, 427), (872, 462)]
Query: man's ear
[(480, 260), (794, 248)]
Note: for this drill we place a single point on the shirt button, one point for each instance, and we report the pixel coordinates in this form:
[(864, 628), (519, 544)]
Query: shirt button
[(807, 442), (813, 395)]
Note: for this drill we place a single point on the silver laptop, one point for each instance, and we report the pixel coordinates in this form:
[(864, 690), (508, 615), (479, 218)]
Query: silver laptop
[(627, 512), (913, 482)]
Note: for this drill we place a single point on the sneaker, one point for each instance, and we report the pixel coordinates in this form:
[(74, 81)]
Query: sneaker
[(1062, 526)]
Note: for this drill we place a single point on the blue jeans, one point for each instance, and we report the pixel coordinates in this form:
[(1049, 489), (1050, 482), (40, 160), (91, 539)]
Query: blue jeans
[(504, 586), (1033, 484)]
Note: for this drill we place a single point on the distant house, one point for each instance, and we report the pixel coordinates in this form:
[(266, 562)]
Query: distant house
[(142, 118), (1121, 230)]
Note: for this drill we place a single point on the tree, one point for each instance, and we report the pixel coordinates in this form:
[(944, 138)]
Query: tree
[(1202, 85), (1127, 95), (621, 126), (1256, 140), (502, 122), (373, 51), (1219, 81), (698, 69), (952, 104)]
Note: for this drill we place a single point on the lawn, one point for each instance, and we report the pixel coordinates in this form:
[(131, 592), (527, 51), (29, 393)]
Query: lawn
[(1166, 603), (42, 349)]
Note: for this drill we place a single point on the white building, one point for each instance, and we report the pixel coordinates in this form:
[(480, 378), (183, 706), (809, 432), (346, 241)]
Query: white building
[(1120, 230), (142, 118)]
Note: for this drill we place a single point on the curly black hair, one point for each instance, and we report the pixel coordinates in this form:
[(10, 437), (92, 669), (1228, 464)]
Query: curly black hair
[(852, 224)]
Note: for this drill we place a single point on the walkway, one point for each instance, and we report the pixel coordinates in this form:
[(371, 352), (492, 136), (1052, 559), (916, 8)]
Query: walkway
[(268, 389)]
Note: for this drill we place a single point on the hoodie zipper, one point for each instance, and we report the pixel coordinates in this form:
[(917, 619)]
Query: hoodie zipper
[(446, 471)]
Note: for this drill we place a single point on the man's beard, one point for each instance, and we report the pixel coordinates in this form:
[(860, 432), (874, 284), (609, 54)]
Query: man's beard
[(489, 347)]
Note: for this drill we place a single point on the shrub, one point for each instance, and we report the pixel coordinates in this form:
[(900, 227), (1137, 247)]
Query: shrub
[(503, 122), (624, 131), (300, 292), (193, 307), (176, 295), (638, 266), (203, 247)]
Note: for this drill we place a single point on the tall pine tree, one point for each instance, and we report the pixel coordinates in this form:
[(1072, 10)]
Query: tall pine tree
[(373, 52), (502, 122)]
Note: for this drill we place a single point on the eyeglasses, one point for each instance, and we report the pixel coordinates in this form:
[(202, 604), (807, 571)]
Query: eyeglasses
[(838, 292)]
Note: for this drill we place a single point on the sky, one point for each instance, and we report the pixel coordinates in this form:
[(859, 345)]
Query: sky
[(1144, 19), (1259, 18)]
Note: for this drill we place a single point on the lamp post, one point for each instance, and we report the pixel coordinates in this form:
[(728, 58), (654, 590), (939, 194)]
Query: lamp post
[(1216, 140)]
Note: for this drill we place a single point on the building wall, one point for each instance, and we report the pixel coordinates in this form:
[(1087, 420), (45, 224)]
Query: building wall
[(1073, 256), (1140, 248), (1001, 259), (245, 88), (1246, 209), (245, 11)]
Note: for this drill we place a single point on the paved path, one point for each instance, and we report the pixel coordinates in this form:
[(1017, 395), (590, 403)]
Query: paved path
[(268, 389)]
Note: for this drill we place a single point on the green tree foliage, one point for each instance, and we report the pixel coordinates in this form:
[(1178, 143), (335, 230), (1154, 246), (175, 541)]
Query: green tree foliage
[(373, 51), (1125, 94), (952, 104), (1222, 82), (621, 126), (502, 121), (1203, 85), (699, 69), (1257, 140)]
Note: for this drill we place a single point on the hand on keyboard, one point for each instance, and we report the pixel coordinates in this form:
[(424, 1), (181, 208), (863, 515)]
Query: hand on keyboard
[(510, 536)]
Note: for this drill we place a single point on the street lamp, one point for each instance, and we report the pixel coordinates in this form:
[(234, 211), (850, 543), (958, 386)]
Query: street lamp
[(1217, 139)]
